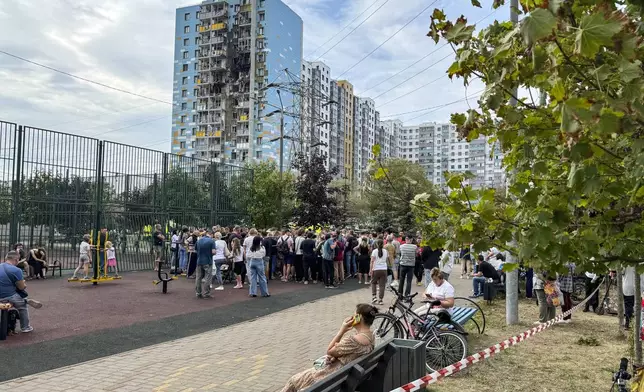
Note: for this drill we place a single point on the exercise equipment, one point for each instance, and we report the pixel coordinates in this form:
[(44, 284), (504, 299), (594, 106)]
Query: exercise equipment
[(164, 277), (99, 276)]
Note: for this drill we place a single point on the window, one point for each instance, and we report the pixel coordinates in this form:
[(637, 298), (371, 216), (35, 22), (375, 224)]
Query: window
[(197, 40), (196, 67), (182, 145), (186, 16), (184, 106), (183, 132), (184, 93), (194, 118), (186, 42), (184, 80), (194, 80), (184, 68), (186, 29), (197, 53), (185, 55), (195, 92), (194, 106), (184, 118)]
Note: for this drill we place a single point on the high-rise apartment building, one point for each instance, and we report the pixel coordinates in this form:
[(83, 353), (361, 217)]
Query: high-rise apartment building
[(366, 120), (346, 113), (316, 109), (437, 148), (387, 137), (242, 47)]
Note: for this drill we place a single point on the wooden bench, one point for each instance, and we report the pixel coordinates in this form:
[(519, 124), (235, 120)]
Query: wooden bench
[(4, 320), (364, 374)]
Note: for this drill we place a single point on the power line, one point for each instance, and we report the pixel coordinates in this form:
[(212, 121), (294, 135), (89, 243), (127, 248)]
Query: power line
[(83, 79), (416, 62), (352, 30), (436, 108), (342, 29), (390, 37)]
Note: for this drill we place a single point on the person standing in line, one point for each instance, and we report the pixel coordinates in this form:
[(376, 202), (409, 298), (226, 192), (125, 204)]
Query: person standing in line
[(566, 287), (285, 253), (239, 267), (218, 260), (592, 281), (183, 262), (191, 243), (396, 244), (328, 251), (299, 267), (418, 268), (447, 263), (255, 259), (268, 262), (378, 269), (246, 244), (362, 252), (391, 257), (430, 259), (84, 259), (158, 241), (205, 248), (338, 258), (320, 240), (407, 264), (174, 250), (628, 289), (309, 259), (350, 267)]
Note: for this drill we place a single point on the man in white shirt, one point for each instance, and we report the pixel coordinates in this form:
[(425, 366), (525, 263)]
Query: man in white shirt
[(447, 264), (628, 288)]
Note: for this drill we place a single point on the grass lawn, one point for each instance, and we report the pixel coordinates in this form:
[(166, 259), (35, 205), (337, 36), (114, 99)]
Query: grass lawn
[(575, 357)]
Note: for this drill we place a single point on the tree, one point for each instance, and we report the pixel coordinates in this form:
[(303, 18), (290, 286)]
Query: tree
[(575, 189), (390, 189), (259, 196), (317, 202)]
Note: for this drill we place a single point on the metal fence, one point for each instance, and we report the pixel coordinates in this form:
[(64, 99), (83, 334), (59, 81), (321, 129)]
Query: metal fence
[(56, 187)]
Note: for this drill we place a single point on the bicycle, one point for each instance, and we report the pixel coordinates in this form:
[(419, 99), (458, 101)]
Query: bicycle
[(443, 347)]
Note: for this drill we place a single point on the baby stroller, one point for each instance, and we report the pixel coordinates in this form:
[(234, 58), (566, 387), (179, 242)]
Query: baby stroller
[(227, 274)]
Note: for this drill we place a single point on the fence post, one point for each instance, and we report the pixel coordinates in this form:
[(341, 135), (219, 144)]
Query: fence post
[(99, 207), (164, 195), (214, 194), (16, 186)]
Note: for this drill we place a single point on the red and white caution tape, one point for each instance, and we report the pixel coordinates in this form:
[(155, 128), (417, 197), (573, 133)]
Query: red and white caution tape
[(487, 353)]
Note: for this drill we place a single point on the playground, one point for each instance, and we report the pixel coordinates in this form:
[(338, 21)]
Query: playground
[(81, 322)]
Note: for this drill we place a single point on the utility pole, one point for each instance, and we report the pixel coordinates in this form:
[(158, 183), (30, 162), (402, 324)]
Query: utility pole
[(512, 278), (281, 138)]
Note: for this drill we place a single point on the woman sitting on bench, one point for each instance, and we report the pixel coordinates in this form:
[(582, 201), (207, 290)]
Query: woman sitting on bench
[(343, 349), (440, 292)]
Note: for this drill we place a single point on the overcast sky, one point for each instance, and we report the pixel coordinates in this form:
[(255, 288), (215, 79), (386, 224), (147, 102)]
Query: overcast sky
[(128, 44)]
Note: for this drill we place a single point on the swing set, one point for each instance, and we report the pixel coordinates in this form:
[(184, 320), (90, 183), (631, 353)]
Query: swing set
[(99, 275)]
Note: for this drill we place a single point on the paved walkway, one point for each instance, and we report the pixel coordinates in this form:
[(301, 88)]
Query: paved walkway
[(252, 356)]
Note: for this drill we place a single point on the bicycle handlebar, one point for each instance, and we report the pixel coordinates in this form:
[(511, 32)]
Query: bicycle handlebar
[(402, 296)]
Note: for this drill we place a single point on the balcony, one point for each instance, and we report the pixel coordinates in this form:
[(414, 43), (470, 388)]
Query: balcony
[(213, 14)]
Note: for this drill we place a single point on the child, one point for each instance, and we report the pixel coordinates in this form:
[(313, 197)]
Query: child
[(239, 266), (84, 259), (111, 257)]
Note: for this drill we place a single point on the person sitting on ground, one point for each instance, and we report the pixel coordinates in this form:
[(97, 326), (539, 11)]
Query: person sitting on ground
[(440, 292), (343, 349), (483, 272), (12, 290)]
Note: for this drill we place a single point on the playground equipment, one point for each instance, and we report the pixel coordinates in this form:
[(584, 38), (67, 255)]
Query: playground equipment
[(164, 277), (100, 274)]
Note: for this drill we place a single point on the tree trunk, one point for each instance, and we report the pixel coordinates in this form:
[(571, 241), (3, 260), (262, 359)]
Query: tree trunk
[(638, 320), (620, 297)]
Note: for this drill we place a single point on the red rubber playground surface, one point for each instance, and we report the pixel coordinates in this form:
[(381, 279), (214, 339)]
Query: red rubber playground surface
[(72, 309)]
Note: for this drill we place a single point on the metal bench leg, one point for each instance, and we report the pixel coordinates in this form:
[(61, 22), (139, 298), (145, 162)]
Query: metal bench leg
[(165, 287), (4, 324)]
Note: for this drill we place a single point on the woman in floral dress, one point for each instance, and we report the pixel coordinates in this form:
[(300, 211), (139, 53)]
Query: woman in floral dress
[(344, 348)]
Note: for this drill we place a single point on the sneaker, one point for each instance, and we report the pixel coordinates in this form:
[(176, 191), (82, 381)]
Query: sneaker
[(537, 323), (253, 295), (199, 296), (473, 296), (210, 287), (306, 282), (327, 287), (219, 288), (566, 321), (374, 300), (33, 303), (419, 283), (381, 302), (266, 296), (315, 282), (28, 329), (367, 282), (239, 286), (73, 278), (333, 287)]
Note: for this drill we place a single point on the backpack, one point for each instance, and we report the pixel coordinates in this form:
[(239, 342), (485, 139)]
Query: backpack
[(282, 247)]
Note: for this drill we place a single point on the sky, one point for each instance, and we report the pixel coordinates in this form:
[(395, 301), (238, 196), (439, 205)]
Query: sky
[(129, 45)]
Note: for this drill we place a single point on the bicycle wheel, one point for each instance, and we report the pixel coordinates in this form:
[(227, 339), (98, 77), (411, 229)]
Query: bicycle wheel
[(444, 348), (386, 326)]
